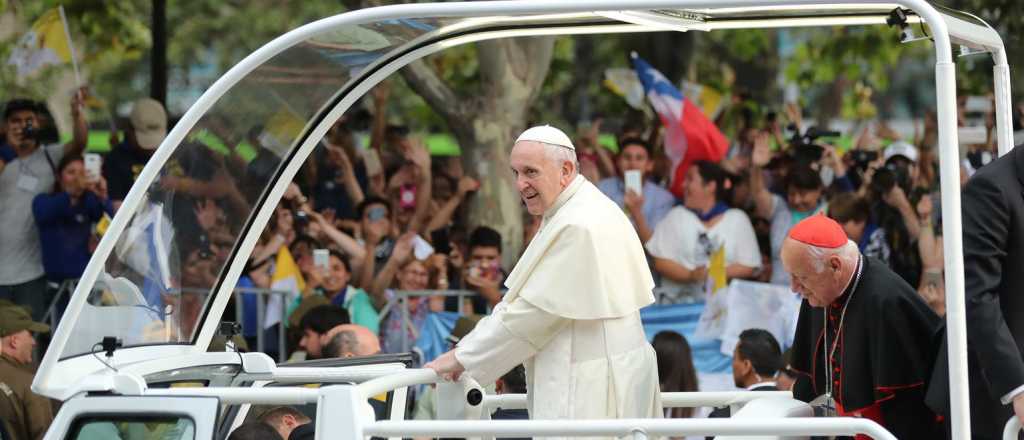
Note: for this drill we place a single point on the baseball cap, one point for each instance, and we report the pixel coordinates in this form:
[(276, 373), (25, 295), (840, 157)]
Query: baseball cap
[(149, 120), (463, 326), (307, 304), (14, 319), (900, 148)]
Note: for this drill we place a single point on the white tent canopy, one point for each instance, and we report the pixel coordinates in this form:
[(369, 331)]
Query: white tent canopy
[(288, 93)]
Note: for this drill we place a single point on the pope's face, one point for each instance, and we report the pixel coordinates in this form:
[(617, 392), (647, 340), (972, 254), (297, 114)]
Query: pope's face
[(539, 179), (819, 289)]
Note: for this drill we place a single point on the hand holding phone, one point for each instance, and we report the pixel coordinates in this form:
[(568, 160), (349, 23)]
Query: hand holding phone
[(93, 166), (321, 259), (633, 180)]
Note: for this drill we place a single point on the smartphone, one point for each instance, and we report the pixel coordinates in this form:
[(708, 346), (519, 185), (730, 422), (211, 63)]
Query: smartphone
[(421, 249), (978, 104), (376, 213), (971, 135), (442, 244), (93, 166), (407, 197), (320, 258), (634, 181), (473, 269)]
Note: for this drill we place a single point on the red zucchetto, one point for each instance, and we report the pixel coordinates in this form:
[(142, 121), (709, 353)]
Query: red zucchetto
[(819, 230)]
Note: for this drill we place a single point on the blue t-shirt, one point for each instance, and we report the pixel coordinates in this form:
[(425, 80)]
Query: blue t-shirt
[(657, 200), (64, 231)]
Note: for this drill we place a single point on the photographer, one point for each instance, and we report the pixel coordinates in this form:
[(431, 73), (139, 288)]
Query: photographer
[(887, 190), (31, 171)]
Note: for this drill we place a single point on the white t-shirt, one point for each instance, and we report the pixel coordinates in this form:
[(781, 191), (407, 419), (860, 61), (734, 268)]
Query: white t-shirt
[(678, 238), (22, 179)]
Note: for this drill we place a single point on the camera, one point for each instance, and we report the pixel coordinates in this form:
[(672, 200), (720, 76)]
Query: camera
[(889, 176), (862, 158), (805, 149), (205, 249), (30, 132), (301, 219), (884, 180)]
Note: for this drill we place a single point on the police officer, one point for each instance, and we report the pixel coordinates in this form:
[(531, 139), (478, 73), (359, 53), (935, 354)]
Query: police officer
[(27, 414)]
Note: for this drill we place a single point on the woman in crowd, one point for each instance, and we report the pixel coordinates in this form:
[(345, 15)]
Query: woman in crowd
[(675, 368), (66, 217), (403, 272), (705, 239)]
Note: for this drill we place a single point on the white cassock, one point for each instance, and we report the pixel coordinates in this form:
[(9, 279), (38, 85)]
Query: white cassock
[(571, 316)]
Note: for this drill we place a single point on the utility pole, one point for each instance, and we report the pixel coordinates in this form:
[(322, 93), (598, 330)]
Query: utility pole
[(158, 56)]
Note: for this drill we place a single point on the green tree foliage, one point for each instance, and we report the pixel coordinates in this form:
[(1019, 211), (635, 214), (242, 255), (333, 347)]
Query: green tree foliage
[(113, 38)]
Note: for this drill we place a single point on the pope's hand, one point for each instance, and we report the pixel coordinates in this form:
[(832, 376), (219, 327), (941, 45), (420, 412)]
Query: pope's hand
[(446, 366)]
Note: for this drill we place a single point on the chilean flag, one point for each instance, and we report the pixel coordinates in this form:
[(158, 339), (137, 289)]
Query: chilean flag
[(689, 135)]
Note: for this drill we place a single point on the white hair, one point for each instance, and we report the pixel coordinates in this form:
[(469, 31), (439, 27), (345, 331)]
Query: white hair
[(819, 255), (560, 154)]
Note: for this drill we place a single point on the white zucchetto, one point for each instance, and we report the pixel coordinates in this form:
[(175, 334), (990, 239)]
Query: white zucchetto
[(546, 134)]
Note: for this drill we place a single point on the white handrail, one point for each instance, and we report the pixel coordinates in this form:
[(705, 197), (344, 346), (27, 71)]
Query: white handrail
[(232, 396), (1012, 429), (668, 400), (623, 427), (400, 379)]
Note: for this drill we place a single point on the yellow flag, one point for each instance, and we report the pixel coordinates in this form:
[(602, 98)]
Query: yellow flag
[(716, 270), (283, 127), (43, 45), (287, 278)]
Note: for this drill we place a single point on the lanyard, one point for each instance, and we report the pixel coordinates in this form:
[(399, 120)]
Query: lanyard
[(829, 352)]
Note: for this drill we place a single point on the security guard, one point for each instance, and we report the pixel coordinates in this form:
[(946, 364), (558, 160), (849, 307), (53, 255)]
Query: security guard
[(27, 414)]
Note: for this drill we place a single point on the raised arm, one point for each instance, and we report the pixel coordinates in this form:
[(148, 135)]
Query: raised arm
[(759, 191), (402, 251), (418, 154), (80, 133), (444, 215), (348, 244)]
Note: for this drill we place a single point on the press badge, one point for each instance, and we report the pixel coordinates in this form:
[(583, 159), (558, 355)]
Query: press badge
[(28, 182)]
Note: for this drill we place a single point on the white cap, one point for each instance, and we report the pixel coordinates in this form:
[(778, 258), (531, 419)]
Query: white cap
[(546, 134), (149, 120), (900, 148)]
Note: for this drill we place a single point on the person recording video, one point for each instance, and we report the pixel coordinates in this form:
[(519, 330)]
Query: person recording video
[(26, 170)]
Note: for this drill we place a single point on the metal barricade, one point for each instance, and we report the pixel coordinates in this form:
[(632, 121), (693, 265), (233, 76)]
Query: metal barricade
[(261, 307), (401, 301), (67, 287)]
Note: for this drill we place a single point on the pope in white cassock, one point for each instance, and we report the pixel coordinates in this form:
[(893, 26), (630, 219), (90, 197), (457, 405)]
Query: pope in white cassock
[(571, 313)]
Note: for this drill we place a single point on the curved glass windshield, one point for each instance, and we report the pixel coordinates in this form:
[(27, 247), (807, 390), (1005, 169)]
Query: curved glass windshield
[(165, 265)]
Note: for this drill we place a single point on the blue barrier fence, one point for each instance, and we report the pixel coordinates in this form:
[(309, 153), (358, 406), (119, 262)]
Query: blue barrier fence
[(680, 318)]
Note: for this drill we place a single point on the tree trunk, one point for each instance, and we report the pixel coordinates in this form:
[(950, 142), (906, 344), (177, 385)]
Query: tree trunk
[(511, 72)]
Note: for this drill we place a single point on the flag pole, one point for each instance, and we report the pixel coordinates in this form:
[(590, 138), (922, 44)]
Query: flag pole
[(71, 46)]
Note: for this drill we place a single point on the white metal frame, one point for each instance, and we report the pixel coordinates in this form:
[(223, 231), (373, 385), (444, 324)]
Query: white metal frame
[(202, 412), (357, 426), (945, 30), (668, 400), (1012, 429)]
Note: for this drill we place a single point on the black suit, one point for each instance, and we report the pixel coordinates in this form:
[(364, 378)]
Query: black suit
[(993, 225), (726, 411)]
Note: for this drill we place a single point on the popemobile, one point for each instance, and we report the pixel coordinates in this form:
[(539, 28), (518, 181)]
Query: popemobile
[(129, 359)]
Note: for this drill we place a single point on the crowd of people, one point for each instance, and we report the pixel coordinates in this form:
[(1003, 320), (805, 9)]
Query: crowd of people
[(383, 227)]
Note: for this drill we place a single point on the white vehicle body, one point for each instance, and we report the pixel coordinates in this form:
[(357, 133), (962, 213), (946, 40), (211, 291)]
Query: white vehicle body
[(132, 287)]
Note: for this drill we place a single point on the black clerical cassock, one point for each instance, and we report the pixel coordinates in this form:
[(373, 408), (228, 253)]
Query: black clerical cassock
[(876, 352)]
